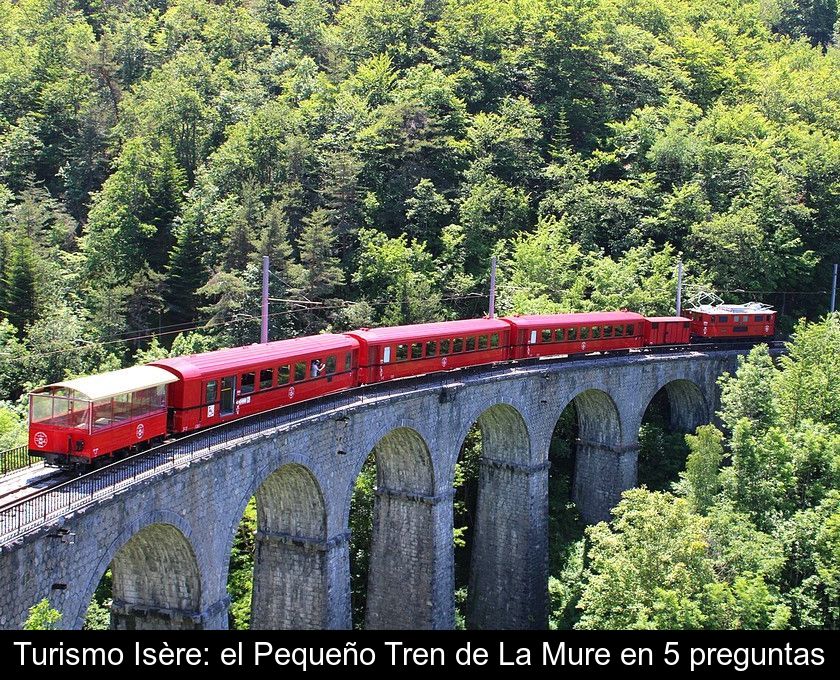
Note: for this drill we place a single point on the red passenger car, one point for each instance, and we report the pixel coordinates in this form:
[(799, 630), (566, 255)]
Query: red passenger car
[(667, 330), (400, 351), (551, 334), (81, 420), (216, 387), (733, 322)]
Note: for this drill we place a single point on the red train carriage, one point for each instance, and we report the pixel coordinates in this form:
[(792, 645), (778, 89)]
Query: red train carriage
[(81, 420), (219, 386), (667, 330), (733, 322), (551, 334), (400, 351)]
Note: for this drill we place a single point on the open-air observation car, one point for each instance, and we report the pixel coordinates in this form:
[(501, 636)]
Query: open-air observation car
[(401, 351), (78, 421), (732, 322), (552, 334), (215, 387)]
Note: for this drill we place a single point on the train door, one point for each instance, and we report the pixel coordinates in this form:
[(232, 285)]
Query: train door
[(228, 400), (211, 397)]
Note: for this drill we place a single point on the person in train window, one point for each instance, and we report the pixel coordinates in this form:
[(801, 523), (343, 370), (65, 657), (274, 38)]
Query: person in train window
[(317, 368)]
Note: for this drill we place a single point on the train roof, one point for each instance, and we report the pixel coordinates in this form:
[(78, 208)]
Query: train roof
[(112, 383), (429, 330), (746, 308), (668, 319), (578, 318), (236, 359)]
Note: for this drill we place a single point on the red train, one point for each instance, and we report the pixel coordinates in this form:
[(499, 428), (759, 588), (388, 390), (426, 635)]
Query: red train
[(84, 420)]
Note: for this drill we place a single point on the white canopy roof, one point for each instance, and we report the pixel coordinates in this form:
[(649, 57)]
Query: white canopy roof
[(105, 385)]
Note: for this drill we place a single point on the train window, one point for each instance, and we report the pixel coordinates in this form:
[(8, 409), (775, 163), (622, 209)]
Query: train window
[(402, 352), (431, 348), (331, 364), (759, 317), (444, 347), (300, 371), (482, 342), (470, 344), (458, 345), (494, 340), (122, 407), (348, 361), (736, 319), (283, 375), (572, 334), (619, 331), (210, 392), (723, 319), (386, 355), (607, 331), (558, 335), (545, 335), (417, 350), (102, 414), (247, 384), (141, 402), (584, 333), (596, 332), (629, 329), (266, 378)]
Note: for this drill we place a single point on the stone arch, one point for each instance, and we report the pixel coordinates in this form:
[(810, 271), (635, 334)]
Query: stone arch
[(508, 564), (404, 577), (688, 407), (156, 581), (292, 552), (603, 466), (140, 602)]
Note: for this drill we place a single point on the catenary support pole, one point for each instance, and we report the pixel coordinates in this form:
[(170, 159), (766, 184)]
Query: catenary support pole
[(679, 287), (491, 312), (264, 325)]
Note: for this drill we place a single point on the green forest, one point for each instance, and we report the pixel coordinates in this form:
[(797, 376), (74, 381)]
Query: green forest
[(380, 152)]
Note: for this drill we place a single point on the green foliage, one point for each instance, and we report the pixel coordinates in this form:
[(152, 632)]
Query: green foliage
[(241, 569), (42, 616)]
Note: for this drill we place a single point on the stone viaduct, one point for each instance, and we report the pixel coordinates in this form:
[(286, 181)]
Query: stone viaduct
[(168, 538)]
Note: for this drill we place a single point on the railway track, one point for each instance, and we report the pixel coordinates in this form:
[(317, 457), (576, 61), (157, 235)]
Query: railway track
[(39, 491)]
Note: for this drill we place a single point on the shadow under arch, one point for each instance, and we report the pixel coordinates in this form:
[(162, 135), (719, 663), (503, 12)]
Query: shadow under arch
[(291, 553), (407, 550), (156, 582), (507, 582)]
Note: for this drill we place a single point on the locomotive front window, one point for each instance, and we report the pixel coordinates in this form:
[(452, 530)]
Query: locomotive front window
[(470, 344), (431, 348), (444, 347), (331, 364), (545, 335), (619, 331), (266, 378), (572, 335), (607, 331), (494, 340), (596, 332), (584, 333), (417, 350), (300, 371), (283, 375), (210, 392), (247, 384), (629, 329), (482, 342), (458, 345), (402, 352)]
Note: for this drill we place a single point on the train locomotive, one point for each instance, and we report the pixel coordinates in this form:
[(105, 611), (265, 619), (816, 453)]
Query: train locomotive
[(88, 420)]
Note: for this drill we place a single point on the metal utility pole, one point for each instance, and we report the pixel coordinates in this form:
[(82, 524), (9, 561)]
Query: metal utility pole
[(264, 326), (834, 289), (679, 288), (491, 312)]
